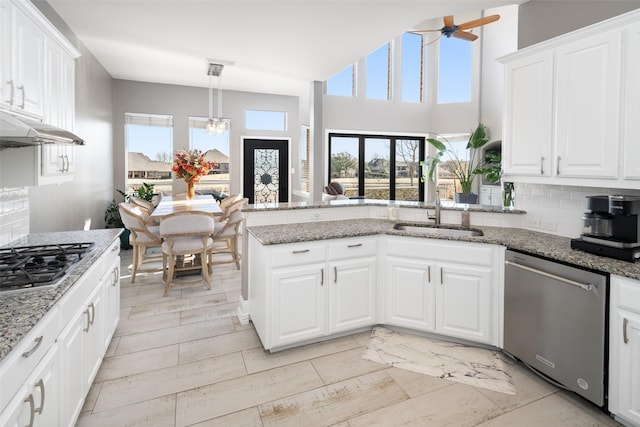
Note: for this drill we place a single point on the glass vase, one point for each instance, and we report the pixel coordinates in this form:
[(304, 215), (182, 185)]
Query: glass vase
[(508, 196), (191, 191)]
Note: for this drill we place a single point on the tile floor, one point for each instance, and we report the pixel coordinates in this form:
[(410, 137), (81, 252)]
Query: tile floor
[(185, 360)]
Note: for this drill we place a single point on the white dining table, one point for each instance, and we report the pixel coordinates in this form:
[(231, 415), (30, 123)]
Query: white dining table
[(201, 203)]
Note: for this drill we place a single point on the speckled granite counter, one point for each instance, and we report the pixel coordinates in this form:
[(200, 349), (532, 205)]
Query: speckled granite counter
[(20, 311), (546, 245), (446, 205)]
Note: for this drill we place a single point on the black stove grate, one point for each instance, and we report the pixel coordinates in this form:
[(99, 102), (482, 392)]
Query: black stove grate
[(32, 266)]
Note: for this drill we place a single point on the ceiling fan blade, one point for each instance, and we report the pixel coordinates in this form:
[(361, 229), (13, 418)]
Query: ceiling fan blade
[(448, 21), (423, 31), (464, 35), (478, 22)]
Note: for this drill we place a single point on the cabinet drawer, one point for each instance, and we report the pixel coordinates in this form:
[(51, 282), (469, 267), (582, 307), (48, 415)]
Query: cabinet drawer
[(16, 367), (110, 256), (72, 301), (298, 254), (352, 248), (441, 250)]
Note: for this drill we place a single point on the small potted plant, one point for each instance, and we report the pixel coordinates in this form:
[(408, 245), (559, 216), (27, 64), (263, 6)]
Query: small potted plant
[(464, 170), (112, 219)]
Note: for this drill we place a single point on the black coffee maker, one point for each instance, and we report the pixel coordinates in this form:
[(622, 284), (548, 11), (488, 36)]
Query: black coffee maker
[(611, 227)]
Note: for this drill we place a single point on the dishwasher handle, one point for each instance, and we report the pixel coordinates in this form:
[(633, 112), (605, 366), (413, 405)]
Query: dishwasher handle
[(587, 287)]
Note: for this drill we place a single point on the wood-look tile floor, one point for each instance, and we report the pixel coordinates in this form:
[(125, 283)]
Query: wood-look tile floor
[(185, 360)]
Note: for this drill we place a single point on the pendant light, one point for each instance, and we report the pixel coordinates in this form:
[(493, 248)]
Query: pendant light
[(219, 125)]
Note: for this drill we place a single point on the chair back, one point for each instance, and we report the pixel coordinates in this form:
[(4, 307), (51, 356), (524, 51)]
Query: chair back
[(231, 226), (227, 201), (187, 224), (142, 203)]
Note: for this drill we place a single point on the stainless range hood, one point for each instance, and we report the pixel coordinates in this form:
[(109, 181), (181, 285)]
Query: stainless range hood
[(23, 132)]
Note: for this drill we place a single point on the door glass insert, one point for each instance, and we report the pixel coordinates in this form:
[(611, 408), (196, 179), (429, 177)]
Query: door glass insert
[(407, 172), (266, 175), (377, 168)]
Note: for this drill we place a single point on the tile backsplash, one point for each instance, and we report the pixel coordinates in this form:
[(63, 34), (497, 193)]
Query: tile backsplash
[(557, 209), (14, 214)]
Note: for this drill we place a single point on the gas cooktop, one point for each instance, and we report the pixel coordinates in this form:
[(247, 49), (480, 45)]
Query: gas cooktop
[(28, 267)]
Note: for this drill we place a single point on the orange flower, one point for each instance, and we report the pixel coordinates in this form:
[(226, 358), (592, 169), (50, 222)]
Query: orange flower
[(190, 165)]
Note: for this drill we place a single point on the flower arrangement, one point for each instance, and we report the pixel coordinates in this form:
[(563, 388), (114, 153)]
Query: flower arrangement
[(190, 165)]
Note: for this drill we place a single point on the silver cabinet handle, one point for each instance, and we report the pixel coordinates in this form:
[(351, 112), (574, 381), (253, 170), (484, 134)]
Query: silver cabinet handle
[(625, 338), (21, 88), (93, 313), (10, 100), (61, 170), (335, 274), (29, 352), (116, 276), (541, 165), (429, 274), (32, 409), (40, 384), (558, 166), (300, 251), (65, 163), (322, 277), (88, 320), (357, 245), (441, 277), (115, 248)]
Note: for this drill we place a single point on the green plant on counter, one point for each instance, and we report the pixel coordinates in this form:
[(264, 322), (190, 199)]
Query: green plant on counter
[(463, 170)]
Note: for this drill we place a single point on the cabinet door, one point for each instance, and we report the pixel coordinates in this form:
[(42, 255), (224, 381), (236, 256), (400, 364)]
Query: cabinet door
[(410, 295), (588, 107), (111, 285), (463, 295), (6, 83), (352, 290), (27, 63), (73, 367), (298, 304), (631, 103), (528, 110), (626, 374), (94, 343)]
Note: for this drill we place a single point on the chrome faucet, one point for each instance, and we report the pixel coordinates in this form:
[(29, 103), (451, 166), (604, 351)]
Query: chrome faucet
[(437, 206)]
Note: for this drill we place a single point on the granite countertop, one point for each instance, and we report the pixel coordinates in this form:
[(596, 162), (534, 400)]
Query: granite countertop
[(22, 310), (546, 245), (445, 205)]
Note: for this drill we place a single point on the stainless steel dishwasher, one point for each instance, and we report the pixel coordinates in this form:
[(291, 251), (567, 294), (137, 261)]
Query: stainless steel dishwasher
[(555, 321)]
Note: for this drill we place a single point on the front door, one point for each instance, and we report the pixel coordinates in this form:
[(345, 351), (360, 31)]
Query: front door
[(266, 179)]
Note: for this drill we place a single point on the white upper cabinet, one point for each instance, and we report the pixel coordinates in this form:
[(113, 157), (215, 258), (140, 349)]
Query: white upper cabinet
[(631, 103), (571, 108), (588, 107), (528, 114)]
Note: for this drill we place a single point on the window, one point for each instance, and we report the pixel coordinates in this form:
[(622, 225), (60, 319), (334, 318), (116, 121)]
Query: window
[(303, 155), (412, 67), (149, 141), (378, 72), (342, 84), (377, 166), (266, 120), (216, 148), (447, 184), (454, 71)]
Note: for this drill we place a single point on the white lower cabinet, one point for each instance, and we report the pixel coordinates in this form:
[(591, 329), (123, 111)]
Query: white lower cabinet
[(45, 378), (36, 402), (303, 291), (624, 350), (426, 291)]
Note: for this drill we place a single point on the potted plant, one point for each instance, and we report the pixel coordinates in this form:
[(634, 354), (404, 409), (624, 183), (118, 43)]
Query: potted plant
[(463, 170), (112, 213)]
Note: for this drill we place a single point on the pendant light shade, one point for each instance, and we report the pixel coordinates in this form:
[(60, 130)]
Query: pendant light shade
[(218, 124)]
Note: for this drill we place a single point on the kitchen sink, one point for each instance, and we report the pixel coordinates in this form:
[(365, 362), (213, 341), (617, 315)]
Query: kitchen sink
[(438, 230)]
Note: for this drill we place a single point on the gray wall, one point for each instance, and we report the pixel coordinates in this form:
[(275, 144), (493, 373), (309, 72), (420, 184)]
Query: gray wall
[(70, 205), (182, 102), (542, 20)]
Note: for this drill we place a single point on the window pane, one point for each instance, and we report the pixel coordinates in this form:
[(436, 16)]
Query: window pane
[(149, 140), (447, 185), (376, 182), (303, 151), (378, 73), (454, 73), (341, 84), (344, 163), (412, 57), (216, 148), (407, 171), (266, 120)]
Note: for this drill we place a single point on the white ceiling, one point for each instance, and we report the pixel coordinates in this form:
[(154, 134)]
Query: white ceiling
[(276, 46)]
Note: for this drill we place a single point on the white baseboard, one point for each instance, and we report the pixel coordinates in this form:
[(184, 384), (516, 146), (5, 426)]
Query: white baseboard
[(243, 311)]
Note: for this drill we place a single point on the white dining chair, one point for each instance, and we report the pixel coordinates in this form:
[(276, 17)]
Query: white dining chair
[(145, 235), (226, 239)]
